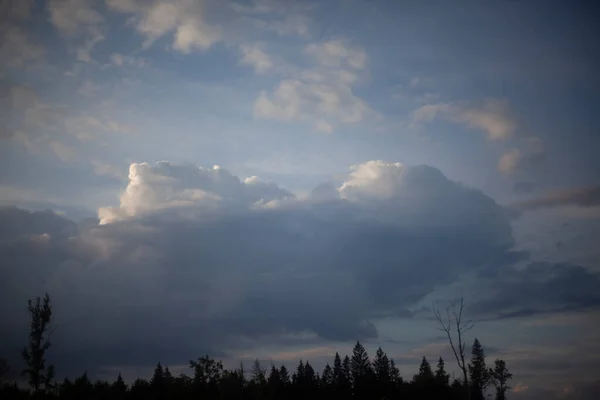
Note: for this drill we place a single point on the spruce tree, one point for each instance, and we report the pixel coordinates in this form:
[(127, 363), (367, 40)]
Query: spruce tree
[(258, 373), (381, 367), (158, 376), (341, 377), (360, 365), (425, 375), (441, 377), (361, 371), (157, 382), (382, 372), (274, 377), (395, 377), (119, 388), (338, 373), (82, 387), (347, 371), (478, 373), (327, 377), (309, 374), (39, 343), (274, 383), (298, 377), (284, 375), (499, 376)]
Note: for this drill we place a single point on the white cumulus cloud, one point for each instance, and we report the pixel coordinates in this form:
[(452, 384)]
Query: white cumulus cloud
[(186, 189)]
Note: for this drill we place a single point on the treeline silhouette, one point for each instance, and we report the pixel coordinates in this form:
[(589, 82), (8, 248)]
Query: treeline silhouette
[(350, 377)]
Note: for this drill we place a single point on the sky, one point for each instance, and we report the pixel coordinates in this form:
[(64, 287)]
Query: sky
[(277, 179)]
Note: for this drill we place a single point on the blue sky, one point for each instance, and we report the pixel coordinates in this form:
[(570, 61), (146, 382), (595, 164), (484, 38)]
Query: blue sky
[(499, 96)]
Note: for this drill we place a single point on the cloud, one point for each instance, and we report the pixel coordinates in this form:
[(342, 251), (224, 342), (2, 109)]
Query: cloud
[(283, 18), (23, 110), (306, 354), (227, 262), (525, 159), (166, 186), (586, 196), (290, 25), (121, 60), (335, 53), (63, 151), (20, 224), (85, 127), (16, 49), (42, 125), (104, 169), (321, 94), (32, 122), (77, 19), (520, 387), (523, 187), (491, 116), (15, 9), (254, 56), (183, 18), (509, 161), (538, 288)]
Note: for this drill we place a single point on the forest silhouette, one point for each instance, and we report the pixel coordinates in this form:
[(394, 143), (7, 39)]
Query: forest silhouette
[(347, 377)]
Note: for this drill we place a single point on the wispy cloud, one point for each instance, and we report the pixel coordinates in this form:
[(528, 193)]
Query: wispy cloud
[(304, 354), (492, 116), (321, 94), (184, 19), (79, 21), (104, 169), (254, 56), (509, 161), (585, 196), (17, 50)]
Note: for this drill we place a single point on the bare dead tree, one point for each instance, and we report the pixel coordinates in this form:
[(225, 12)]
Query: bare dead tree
[(453, 319)]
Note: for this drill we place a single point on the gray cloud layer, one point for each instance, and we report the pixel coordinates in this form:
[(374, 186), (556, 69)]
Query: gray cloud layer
[(196, 260)]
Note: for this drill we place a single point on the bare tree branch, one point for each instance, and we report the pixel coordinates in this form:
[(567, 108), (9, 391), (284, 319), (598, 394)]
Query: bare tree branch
[(454, 316)]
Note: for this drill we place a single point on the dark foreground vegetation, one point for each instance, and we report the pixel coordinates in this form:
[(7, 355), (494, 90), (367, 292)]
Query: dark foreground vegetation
[(356, 376)]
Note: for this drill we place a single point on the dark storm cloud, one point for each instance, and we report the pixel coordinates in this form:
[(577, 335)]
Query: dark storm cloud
[(17, 223), (540, 287), (196, 260)]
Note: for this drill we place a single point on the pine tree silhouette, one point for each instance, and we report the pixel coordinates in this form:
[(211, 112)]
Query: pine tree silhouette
[(39, 343), (499, 377), (119, 388), (356, 378), (425, 375), (478, 373), (441, 377), (361, 371)]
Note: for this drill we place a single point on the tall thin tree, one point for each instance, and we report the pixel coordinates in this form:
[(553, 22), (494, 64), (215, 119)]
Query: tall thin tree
[(441, 377), (499, 377), (453, 319), (478, 373), (39, 343)]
